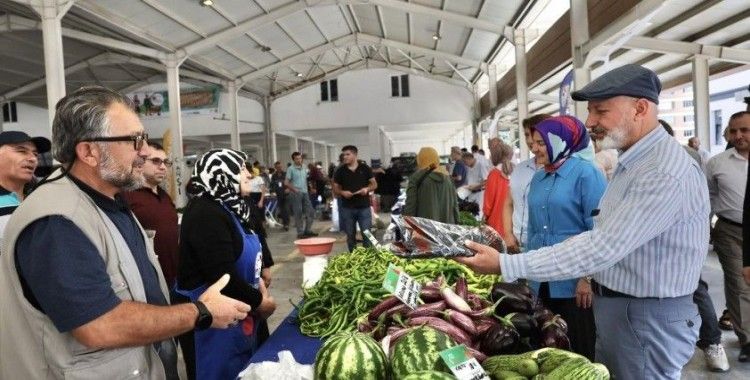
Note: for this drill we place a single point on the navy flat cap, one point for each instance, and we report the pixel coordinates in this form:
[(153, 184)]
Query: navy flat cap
[(629, 80), (42, 144)]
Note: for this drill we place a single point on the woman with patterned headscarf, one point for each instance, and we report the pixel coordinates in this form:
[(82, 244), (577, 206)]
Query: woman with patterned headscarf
[(214, 240), (498, 184), (430, 193), (563, 199)]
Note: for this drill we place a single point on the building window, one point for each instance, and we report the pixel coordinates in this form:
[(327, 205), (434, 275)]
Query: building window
[(688, 118), (400, 86), (329, 91), (10, 114), (687, 103), (687, 133), (665, 105)]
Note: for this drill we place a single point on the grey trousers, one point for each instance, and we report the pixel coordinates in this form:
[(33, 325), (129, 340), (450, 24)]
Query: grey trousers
[(728, 246), (303, 211), (645, 338)]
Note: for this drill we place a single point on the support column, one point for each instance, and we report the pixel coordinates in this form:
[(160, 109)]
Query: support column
[(1, 116), (326, 158), (180, 170), (374, 143), (274, 149), (269, 145), (295, 144), (476, 133), (492, 77), (701, 100), (522, 89), (579, 34), (51, 12), (234, 117), (313, 156)]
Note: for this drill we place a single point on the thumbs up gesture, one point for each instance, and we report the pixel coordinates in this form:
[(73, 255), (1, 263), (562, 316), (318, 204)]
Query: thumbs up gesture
[(224, 310)]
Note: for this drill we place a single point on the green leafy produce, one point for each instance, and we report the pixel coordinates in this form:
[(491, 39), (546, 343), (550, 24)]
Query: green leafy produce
[(352, 285), (351, 355), (516, 363), (419, 350), (466, 218)]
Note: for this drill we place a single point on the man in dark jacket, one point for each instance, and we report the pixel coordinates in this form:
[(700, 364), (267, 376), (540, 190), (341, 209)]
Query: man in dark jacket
[(278, 188)]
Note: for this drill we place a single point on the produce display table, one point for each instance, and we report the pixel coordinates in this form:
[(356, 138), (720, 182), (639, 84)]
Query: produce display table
[(288, 337)]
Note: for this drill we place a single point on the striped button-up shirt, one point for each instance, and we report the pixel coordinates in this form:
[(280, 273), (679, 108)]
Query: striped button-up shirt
[(650, 238)]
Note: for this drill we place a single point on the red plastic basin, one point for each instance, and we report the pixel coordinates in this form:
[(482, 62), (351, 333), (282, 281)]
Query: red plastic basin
[(315, 246)]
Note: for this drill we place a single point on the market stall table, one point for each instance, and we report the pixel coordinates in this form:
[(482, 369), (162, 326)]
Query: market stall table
[(288, 337)]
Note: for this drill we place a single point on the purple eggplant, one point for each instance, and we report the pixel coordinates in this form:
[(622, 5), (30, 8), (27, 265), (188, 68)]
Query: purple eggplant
[(430, 294), (557, 322), (519, 290), (488, 311), (428, 310), (525, 324), (364, 325), (477, 354), (454, 301), (462, 321), (500, 339), (461, 287), (458, 335), (555, 337), (483, 324), (476, 302), (511, 304), (382, 307), (543, 316), (401, 308)]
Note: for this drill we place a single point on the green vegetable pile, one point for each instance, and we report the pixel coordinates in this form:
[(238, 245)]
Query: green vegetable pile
[(466, 218), (352, 285)]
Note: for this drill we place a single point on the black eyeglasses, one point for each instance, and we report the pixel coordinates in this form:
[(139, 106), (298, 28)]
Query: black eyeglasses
[(158, 161), (138, 140)]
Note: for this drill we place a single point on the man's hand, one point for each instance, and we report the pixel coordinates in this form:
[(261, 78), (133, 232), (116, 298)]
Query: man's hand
[(746, 274), (224, 310), (260, 204), (265, 275), (512, 243), (364, 191), (584, 295), (485, 261), (347, 194), (268, 304)]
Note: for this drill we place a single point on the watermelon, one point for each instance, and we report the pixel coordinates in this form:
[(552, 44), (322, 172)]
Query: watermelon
[(351, 355), (419, 350), (429, 375)]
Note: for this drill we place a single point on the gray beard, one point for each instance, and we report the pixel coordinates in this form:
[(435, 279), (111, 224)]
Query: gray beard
[(123, 178)]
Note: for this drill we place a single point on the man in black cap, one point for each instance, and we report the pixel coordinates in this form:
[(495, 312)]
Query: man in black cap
[(18, 161), (649, 240)]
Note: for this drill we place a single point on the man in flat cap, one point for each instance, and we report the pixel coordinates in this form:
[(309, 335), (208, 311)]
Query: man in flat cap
[(19, 158), (649, 240)]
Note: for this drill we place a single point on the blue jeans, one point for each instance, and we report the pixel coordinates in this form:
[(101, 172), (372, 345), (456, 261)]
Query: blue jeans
[(709, 332), (645, 338), (348, 219)]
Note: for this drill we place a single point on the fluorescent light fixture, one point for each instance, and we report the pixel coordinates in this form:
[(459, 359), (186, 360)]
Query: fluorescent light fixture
[(435, 36), (299, 75), (207, 3)]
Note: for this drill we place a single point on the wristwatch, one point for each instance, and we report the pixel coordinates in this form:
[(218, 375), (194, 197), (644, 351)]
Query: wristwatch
[(205, 319)]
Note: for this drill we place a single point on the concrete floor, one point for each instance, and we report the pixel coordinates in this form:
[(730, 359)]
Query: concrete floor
[(287, 279)]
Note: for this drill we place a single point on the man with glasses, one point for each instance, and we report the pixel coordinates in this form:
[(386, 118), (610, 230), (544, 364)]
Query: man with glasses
[(83, 295), (156, 212)]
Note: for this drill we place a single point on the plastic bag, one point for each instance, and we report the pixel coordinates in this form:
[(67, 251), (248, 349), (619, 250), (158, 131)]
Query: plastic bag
[(285, 369), (415, 237)]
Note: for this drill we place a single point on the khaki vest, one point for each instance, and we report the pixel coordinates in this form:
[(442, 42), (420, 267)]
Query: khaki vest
[(30, 345)]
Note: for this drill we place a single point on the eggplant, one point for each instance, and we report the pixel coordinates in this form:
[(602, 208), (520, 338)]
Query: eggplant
[(512, 304), (499, 340), (519, 290), (456, 333), (430, 293), (525, 324), (382, 307), (455, 301), (543, 316), (555, 337), (477, 354), (476, 302), (462, 321), (461, 287), (556, 321), (401, 308), (364, 325), (483, 324), (428, 310)]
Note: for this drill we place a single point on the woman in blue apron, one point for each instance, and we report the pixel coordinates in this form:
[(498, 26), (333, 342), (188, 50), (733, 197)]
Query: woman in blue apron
[(215, 239)]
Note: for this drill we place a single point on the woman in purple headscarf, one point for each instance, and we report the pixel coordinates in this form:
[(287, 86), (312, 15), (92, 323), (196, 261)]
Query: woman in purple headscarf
[(562, 201)]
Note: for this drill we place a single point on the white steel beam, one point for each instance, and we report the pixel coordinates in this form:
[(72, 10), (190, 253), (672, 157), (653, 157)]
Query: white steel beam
[(544, 98), (374, 40), (626, 25), (460, 74), (52, 12), (314, 81), (579, 34), (407, 70), (113, 43), (175, 121), (412, 61), (701, 99), (522, 88), (343, 41), (234, 119), (723, 53), (244, 27)]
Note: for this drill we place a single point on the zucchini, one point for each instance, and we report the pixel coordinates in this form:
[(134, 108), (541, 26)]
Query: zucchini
[(590, 371), (567, 368), (506, 375), (550, 360), (516, 363)]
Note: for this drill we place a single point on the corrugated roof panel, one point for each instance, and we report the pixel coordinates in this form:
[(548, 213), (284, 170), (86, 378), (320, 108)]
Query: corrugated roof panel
[(204, 19), (465, 7), (424, 28), (239, 10), (275, 38), (302, 29), (395, 24), (367, 17), (249, 49), (452, 38), (480, 44), (330, 20)]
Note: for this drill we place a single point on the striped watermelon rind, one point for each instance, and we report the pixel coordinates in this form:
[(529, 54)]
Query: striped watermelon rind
[(419, 350), (351, 355), (429, 375)]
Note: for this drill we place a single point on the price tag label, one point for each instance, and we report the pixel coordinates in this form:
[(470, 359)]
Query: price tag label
[(369, 236), (403, 286), (462, 364)]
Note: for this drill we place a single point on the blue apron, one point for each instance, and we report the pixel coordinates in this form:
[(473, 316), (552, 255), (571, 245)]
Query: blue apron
[(222, 353)]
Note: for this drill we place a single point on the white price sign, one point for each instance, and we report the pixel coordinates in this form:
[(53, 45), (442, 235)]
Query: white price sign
[(462, 364), (403, 286)]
